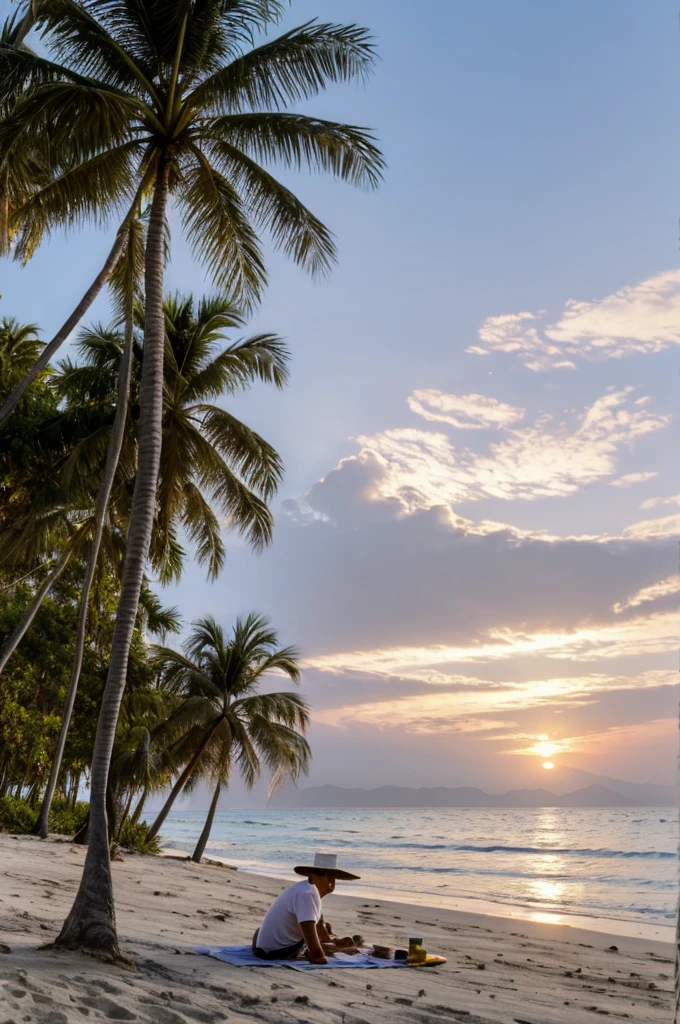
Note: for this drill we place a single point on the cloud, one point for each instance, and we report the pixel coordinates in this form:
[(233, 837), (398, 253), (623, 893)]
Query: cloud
[(638, 319), (654, 634), (368, 576), (629, 479), (653, 594), (466, 412), (493, 707), (421, 468), (654, 529), (673, 499)]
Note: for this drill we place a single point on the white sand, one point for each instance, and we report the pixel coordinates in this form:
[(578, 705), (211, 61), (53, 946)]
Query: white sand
[(533, 973)]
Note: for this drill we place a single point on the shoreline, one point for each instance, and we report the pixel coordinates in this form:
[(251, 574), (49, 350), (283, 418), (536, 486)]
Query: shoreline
[(474, 908), (498, 970)]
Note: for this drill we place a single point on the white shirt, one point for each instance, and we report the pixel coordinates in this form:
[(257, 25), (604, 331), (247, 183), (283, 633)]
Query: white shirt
[(281, 925)]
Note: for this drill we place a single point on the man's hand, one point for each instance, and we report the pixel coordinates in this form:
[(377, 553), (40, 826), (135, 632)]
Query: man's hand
[(316, 954)]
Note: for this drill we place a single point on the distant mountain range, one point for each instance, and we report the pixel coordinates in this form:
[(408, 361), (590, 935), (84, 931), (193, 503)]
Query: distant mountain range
[(621, 794)]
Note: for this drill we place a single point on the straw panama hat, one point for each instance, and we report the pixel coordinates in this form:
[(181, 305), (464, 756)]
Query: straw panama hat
[(325, 864)]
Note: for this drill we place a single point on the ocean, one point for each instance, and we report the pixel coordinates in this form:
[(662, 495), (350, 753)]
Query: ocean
[(609, 869)]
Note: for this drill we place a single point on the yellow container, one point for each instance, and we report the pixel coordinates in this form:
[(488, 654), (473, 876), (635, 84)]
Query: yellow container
[(416, 953)]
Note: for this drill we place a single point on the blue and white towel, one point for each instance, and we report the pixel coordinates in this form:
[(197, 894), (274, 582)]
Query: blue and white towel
[(243, 956)]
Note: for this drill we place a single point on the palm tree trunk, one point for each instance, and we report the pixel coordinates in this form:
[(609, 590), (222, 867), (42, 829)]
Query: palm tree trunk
[(112, 455), (205, 834), (69, 324), (136, 814), (81, 836), (124, 815), (15, 638), (181, 782), (74, 790), (91, 922)]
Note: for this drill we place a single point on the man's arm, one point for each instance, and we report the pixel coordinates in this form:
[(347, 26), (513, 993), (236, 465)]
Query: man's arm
[(311, 937)]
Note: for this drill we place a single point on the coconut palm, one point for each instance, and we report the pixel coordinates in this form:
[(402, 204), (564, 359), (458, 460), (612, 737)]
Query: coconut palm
[(177, 93), (208, 456), (129, 284), (214, 469), (223, 721), (170, 99)]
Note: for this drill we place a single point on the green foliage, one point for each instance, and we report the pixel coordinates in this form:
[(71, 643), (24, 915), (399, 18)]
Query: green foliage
[(65, 819), (214, 469), (127, 89), (16, 816), (222, 720), (134, 837)]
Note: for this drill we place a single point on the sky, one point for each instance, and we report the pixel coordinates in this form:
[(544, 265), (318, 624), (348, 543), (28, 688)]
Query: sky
[(476, 539)]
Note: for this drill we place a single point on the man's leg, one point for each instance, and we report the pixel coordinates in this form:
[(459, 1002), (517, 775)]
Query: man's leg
[(286, 953)]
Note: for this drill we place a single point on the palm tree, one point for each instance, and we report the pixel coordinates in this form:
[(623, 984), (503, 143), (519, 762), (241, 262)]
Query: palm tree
[(223, 721), (169, 99), (129, 289), (206, 452)]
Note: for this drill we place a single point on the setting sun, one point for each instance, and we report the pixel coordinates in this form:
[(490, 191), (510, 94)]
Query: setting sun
[(548, 765), (545, 748)]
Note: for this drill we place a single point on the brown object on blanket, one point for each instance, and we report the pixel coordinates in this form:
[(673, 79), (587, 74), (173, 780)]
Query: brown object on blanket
[(383, 953)]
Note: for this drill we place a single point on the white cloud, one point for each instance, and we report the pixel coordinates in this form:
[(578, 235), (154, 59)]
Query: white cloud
[(655, 634), (654, 529), (422, 469), (673, 499), (475, 709), (642, 318), (508, 333), (629, 479), (466, 412), (647, 595)]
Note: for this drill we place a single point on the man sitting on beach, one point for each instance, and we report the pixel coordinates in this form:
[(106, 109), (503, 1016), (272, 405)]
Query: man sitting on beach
[(295, 920)]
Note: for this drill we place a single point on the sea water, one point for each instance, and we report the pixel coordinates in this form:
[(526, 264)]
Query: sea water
[(611, 869)]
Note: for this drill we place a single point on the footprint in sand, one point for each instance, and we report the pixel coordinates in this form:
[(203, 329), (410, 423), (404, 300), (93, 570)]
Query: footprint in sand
[(110, 1009), (161, 1015)]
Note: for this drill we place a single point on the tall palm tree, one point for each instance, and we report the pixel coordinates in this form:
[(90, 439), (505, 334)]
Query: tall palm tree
[(170, 99), (223, 721), (129, 285), (208, 456)]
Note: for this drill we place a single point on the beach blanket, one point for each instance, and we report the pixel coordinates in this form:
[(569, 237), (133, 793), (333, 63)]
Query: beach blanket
[(242, 956)]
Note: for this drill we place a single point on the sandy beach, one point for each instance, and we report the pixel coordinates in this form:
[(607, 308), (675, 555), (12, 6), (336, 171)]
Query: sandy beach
[(498, 971)]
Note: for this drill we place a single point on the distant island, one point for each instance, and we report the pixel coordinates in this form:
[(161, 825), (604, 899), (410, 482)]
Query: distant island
[(470, 796)]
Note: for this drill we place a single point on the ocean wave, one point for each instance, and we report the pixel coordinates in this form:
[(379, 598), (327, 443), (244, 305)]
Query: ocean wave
[(544, 850)]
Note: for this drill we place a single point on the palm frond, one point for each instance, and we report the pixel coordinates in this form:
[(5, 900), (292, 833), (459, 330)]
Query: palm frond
[(293, 228), (206, 635), (263, 357), (250, 455), (93, 189), (81, 40), (203, 528), (298, 140), (166, 553), (158, 619), (294, 67), (245, 512), (128, 275), (20, 346), (21, 70), (219, 232), (290, 709), (81, 120)]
